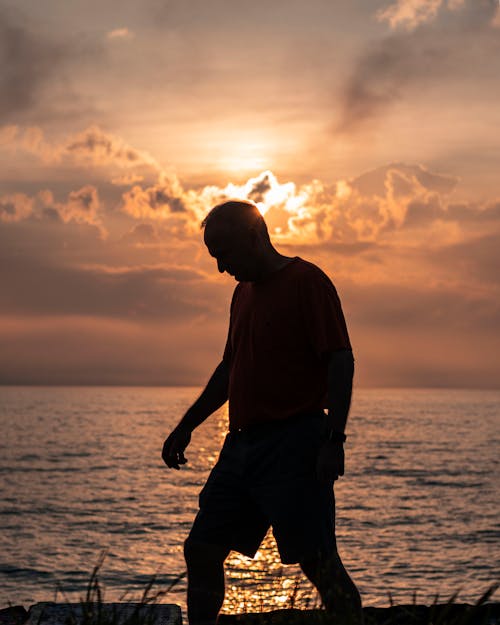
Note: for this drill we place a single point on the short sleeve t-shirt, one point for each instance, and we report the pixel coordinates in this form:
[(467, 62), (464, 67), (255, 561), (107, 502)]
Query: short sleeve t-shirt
[(282, 330)]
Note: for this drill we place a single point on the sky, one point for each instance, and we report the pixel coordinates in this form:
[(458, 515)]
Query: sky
[(367, 131)]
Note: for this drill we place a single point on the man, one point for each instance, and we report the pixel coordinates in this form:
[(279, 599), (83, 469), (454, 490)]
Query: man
[(287, 357)]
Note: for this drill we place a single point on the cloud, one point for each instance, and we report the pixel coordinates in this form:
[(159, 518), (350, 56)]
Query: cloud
[(97, 147), (416, 270), (81, 206), (496, 20), (102, 158), (374, 182), (162, 201), (447, 332), (358, 210), (36, 77), (411, 13), (142, 234), (127, 180), (93, 351), (260, 187), (397, 202), (34, 287), (15, 207), (8, 134), (27, 63), (394, 197), (389, 69), (474, 259), (29, 139), (120, 33)]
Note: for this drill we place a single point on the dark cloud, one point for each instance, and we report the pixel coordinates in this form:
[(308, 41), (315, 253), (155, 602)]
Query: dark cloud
[(154, 202), (81, 206), (162, 197), (142, 234), (374, 182), (103, 148), (456, 45), (467, 212), (240, 16), (336, 248), (424, 211), (434, 310), (396, 357), (15, 207), (260, 188), (81, 351), (8, 208), (421, 335), (27, 62), (94, 142), (475, 260), (32, 64), (32, 287), (85, 197), (50, 213)]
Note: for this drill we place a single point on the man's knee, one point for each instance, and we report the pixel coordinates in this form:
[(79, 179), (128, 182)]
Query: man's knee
[(200, 553), (321, 564)]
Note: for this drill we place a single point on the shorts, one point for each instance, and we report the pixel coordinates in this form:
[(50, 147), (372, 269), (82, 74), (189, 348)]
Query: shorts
[(266, 477)]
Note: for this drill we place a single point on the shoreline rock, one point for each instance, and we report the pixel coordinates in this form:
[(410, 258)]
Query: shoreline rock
[(439, 614), (15, 615), (49, 613)]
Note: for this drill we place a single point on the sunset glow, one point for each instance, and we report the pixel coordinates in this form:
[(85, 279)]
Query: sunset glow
[(243, 158), (366, 135)]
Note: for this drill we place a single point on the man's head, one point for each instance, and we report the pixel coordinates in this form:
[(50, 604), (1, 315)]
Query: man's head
[(236, 236)]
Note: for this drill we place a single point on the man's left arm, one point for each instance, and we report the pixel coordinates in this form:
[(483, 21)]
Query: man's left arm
[(340, 374)]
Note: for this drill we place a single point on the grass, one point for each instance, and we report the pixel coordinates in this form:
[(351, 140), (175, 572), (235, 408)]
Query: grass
[(92, 612), (91, 606)]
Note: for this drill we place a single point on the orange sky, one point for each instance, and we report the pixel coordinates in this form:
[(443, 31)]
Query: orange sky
[(368, 132)]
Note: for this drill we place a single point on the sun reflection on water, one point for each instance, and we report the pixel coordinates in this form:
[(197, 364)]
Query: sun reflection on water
[(266, 583)]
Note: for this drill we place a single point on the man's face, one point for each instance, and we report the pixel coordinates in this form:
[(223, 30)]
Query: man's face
[(234, 249)]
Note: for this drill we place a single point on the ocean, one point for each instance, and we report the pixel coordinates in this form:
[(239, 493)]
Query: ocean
[(81, 474)]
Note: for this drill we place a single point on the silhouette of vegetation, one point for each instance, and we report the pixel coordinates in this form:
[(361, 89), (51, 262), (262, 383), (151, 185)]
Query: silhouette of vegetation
[(92, 612), (91, 608)]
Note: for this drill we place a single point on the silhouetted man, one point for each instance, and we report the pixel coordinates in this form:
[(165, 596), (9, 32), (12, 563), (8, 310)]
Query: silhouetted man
[(287, 357)]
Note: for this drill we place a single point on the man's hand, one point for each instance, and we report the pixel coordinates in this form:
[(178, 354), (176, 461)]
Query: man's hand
[(174, 446), (330, 464)]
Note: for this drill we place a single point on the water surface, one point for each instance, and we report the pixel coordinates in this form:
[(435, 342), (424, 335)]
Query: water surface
[(417, 510)]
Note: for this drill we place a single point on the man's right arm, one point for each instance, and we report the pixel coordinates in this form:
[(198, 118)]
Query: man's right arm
[(212, 398)]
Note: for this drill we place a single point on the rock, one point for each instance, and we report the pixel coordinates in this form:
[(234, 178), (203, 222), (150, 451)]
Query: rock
[(48, 613), (15, 615), (440, 614)]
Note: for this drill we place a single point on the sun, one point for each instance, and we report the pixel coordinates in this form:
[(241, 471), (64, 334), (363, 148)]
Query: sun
[(243, 161), (244, 151)]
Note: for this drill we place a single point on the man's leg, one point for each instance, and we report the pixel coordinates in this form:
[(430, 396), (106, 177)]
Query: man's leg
[(205, 595), (337, 590)]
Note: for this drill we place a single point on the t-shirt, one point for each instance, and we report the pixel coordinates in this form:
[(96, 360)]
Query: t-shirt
[(282, 330)]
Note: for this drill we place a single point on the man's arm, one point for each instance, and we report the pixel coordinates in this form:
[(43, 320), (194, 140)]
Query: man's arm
[(213, 397), (340, 375)]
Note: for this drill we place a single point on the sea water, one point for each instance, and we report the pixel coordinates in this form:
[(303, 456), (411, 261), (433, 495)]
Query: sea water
[(81, 474)]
